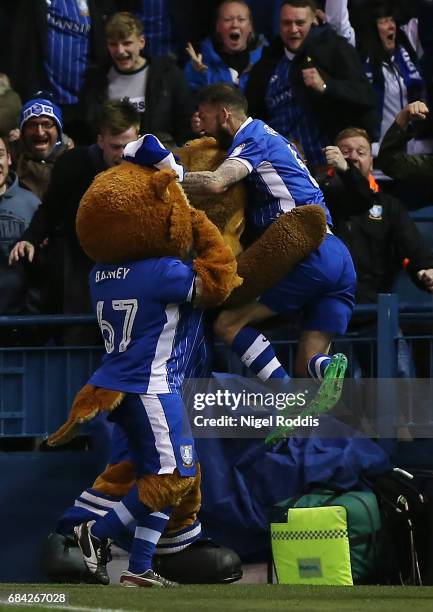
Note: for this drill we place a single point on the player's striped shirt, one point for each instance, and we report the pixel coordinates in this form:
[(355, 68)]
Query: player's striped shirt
[(148, 323), (278, 179), (66, 58)]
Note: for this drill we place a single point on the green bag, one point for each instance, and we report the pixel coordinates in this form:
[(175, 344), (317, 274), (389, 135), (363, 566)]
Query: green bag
[(325, 537)]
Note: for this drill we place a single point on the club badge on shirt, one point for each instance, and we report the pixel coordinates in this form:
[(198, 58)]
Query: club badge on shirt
[(375, 212), (237, 150), (186, 454)]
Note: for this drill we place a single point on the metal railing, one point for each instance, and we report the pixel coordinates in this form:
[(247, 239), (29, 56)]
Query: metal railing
[(38, 384)]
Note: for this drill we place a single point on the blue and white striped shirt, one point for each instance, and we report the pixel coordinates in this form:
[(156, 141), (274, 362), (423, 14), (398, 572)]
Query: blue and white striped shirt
[(158, 32), (148, 323), (67, 48), (278, 178)]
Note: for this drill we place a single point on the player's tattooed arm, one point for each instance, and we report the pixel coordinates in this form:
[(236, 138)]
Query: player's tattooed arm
[(200, 183)]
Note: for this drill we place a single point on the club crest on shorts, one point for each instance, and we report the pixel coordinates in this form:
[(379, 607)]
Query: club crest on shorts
[(375, 212), (186, 454)]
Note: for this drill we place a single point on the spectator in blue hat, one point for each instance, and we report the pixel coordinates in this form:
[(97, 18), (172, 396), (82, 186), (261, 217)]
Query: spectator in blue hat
[(41, 126), (40, 142)]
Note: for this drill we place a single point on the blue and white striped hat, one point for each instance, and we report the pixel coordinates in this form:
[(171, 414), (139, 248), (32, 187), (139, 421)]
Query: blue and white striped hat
[(148, 151), (38, 106)]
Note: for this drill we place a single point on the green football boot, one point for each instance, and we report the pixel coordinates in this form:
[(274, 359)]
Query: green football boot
[(325, 399)]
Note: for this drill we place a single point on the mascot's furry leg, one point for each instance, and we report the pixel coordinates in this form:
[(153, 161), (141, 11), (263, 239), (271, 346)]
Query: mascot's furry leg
[(181, 554), (165, 474)]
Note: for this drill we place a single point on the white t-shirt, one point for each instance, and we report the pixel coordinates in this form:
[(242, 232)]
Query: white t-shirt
[(131, 85)]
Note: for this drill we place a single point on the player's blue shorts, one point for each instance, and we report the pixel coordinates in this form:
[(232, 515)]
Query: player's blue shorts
[(322, 286), (158, 434)]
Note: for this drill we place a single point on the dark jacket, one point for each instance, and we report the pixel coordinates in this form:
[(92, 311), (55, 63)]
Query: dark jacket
[(10, 106), (395, 162), (375, 58), (348, 99), (28, 38), (168, 101), (34, 174), (72, 174), (17, 207), (379, 239)]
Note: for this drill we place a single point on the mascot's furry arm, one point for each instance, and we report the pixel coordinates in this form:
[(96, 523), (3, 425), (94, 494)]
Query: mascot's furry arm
[(215, 264)]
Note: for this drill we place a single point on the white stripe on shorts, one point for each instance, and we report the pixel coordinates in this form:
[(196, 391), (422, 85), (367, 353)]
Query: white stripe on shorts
[(158, 423)]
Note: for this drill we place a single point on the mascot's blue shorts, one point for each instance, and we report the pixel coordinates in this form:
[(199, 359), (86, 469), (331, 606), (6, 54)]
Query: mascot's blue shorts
[(154, 433)]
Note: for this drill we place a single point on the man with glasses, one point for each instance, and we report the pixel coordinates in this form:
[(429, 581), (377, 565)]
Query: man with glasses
[(39, 144)]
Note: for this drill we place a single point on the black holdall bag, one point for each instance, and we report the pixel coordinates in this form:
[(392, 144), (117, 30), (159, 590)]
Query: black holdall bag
[(406, 506)]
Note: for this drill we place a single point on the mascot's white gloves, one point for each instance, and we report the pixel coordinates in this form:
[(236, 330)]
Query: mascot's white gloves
[(150, 152)]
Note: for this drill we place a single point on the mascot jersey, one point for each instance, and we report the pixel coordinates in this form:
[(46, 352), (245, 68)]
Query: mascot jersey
[(278, 179), (148, 324)]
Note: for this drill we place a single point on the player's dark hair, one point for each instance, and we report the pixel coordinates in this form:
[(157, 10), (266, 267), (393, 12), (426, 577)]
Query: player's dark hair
[(117, 116), (223, 94)]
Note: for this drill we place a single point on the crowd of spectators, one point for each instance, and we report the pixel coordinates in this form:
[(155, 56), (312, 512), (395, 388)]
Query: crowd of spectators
[(349, 81)]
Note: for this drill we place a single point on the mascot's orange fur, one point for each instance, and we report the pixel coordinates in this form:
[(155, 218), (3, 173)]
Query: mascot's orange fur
[(131, 213)]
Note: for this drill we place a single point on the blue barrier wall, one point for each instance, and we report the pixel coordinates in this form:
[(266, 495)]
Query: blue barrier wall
[(37, 386), (35, 489)]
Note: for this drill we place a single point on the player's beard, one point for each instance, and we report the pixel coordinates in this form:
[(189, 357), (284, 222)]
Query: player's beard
[(223, 138)]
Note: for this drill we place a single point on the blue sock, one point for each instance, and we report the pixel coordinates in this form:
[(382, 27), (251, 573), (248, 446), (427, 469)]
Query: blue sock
[(317, 366), (257, 354), (124, 512), (147, 534)]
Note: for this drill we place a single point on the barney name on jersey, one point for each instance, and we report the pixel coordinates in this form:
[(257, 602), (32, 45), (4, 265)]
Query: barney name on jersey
[(119, 274)]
